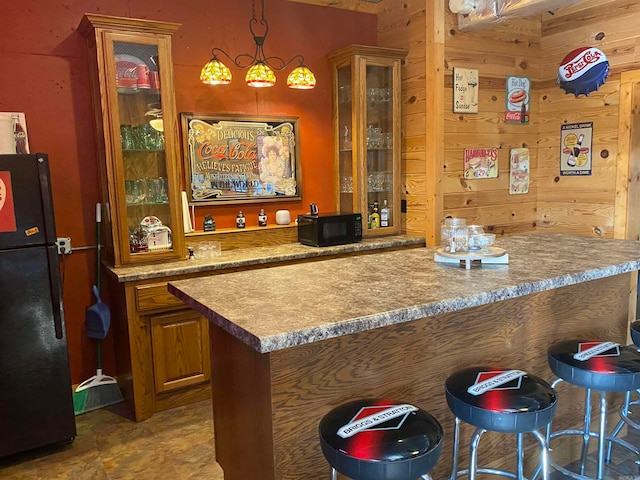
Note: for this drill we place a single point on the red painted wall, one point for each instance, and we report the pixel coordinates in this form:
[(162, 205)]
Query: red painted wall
[(44, 73)]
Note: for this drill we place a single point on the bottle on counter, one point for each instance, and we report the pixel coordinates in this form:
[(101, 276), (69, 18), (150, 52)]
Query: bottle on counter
[(262, 218), (240, 220), (19, 134), (375, 215), (384, 214)]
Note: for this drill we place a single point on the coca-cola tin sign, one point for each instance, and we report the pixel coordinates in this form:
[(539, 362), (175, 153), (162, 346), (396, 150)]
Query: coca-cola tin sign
[(583, 71), (517, 100)]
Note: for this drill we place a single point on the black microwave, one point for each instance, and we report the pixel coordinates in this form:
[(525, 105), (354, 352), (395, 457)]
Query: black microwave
[(325, 230)]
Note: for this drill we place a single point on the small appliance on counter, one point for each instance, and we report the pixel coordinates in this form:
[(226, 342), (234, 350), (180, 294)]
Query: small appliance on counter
[(327, 229)]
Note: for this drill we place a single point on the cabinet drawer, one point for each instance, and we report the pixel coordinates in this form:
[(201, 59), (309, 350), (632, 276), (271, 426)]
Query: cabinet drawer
[(152, 297)]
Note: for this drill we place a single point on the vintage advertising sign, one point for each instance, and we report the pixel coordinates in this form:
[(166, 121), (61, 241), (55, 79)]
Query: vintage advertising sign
[(517, 100), (7, 209), (519, 171), (583, 71), (480, 163), (240, 159), (575, 148), (465, 90)]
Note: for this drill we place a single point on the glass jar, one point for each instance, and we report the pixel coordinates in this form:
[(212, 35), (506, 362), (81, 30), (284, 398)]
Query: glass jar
[(454, 236)]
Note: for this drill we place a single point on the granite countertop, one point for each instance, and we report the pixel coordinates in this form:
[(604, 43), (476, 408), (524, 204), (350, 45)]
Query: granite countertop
[(277, 308), (246, 257)]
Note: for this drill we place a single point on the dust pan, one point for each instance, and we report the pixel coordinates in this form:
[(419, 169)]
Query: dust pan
[(100, 390)]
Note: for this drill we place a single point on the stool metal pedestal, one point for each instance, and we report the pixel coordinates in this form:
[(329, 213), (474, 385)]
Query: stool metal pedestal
[(499, 400), (596, 366), (380, 439), (625, 409)]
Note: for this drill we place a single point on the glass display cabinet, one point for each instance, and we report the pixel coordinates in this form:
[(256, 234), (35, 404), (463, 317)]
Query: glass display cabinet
[(136, 119), (366, 117)]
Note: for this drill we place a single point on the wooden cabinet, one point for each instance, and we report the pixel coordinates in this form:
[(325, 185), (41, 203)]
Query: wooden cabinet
[(132, 83), (366, 117), (180, 345)]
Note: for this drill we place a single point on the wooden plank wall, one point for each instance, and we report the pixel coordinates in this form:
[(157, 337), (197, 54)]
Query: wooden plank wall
[(511, 48), (433, 181), (434, 186), (585, 205), (404, 25)]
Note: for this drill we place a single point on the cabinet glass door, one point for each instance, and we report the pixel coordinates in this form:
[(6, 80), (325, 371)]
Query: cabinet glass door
[(346, 158), (379, 146), (145, 179)]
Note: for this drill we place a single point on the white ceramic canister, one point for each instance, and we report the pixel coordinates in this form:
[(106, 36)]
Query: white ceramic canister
[(283, 217)]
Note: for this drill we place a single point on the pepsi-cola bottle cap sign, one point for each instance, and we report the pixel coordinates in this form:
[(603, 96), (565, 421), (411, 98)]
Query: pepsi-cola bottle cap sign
[(583, 71)]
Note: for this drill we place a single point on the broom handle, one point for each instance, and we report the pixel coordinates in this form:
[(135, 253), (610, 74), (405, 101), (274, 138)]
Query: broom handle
[(98, 223), (99, 354)]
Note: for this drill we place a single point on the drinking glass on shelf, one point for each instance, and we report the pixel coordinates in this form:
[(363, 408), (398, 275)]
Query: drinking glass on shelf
[(126, 137), (346, 184), (134, 191)]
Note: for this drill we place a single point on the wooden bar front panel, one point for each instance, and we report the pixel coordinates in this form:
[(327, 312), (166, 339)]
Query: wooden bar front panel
[(267, 406)]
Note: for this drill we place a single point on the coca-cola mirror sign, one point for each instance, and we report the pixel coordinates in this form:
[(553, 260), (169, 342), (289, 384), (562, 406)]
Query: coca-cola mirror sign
[(239, 159)]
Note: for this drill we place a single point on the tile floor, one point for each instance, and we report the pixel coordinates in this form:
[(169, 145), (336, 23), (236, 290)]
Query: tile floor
[(175, 445)]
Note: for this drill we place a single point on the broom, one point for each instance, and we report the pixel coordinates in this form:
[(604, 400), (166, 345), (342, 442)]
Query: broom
[(100, 390)]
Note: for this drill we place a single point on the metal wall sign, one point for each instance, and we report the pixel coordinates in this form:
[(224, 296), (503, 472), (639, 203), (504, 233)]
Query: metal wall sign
[(517, 100), (575, 148), (465, 90), (239, 159)]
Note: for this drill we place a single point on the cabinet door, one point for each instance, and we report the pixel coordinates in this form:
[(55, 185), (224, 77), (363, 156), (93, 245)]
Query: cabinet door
[(180, 344)]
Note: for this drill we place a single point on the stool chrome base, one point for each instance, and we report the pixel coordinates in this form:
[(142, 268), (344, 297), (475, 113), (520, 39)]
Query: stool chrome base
[(624, 420), (473, 469), (603, 453)]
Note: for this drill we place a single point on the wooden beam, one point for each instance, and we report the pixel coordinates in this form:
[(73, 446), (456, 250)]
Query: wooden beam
[(434, 125), (365, 6)]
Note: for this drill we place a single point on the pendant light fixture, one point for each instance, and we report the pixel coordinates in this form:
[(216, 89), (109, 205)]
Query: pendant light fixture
[(262, 69)]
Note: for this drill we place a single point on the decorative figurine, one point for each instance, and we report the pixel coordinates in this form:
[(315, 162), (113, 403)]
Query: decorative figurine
[(209, 224)]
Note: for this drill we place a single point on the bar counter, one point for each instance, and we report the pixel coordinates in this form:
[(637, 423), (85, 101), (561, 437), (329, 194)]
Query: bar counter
[(289, 343)]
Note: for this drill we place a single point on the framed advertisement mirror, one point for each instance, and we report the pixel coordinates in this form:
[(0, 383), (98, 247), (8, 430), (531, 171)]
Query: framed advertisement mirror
[(240, 159)]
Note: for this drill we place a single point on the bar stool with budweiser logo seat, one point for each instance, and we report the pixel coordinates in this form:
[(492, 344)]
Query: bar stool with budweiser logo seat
[(380, 439), (602, 367), (499, 400)]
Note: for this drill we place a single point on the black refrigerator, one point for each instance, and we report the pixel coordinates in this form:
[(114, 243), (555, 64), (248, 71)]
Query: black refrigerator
[(36, 402)]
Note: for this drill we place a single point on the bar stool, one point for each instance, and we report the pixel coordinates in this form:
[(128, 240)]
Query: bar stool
[(499, 400), (380, 439), (600, 366), (624, 410)]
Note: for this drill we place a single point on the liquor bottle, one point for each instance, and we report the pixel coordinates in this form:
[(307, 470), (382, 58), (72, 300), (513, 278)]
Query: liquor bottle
[(19, 135), (262, 218), (370, 218), (384, 214), (240, 220), (375, 215)]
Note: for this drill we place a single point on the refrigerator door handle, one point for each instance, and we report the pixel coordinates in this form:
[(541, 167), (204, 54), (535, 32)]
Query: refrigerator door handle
[(56, 292)]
